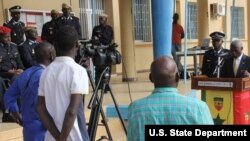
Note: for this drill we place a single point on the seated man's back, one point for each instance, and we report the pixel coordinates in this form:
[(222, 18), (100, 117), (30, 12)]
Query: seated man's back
[(165, 106)]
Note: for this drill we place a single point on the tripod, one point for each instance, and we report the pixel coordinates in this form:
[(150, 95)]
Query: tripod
[(96, 105)]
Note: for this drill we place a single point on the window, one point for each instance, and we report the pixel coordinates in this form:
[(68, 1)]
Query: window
[(192, 30), (89, 11), (33, 18), (142, 20), (238, 22)]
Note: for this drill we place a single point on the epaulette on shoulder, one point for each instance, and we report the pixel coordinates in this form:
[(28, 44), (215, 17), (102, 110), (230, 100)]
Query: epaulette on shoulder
[(13, 44)]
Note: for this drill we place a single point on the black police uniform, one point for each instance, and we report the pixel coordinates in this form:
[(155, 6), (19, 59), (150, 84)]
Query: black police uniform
[(47, 31), (26, 50), (17, 27), (17, 31), (104, 33), (210, 61), (71, 21), (10, 58)]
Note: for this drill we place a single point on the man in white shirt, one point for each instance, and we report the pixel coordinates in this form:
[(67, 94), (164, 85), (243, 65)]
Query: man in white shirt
[(239, 64), (62, 87)]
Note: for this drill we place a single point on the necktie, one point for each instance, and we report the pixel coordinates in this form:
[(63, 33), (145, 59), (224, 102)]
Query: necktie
[(235, 67)]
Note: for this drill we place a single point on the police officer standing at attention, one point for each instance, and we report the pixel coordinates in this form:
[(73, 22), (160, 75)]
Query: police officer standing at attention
[(47, 31), (67, 19), (210, 59), (16, 26), (103, 32)]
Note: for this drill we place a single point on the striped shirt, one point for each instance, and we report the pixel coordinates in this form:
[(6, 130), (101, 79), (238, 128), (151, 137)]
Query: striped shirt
[(165, 106)]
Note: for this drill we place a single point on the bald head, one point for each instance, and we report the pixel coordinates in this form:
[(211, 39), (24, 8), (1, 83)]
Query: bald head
[(45, 53), (236, 48), (164, 72)]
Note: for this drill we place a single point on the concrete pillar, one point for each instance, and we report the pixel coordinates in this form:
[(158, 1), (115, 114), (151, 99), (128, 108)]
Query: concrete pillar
[(203, 16), (112, 9), (127, 41), (203, 19), (162, 13)]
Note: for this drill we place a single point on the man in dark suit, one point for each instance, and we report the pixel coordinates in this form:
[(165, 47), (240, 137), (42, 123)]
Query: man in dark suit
[(16, 26), (67, 19), (238, 65), (210, 59)]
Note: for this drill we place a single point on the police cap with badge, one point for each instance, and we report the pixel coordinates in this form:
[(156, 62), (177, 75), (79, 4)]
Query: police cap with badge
[(15, 9), (217, 35)]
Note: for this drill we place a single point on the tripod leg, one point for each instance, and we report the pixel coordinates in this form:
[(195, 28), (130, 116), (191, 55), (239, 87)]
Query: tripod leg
[(117, 109), (104, 120), (92, 122), (94, 117)]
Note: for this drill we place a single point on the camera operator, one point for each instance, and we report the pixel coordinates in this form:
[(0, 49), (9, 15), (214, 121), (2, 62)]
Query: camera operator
[(103, 32), (102, 35)]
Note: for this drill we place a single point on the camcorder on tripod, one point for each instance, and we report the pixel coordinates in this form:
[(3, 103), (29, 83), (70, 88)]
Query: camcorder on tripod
[(103, 58)]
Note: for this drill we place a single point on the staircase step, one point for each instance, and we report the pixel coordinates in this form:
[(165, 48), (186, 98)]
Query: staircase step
[(10, 132)]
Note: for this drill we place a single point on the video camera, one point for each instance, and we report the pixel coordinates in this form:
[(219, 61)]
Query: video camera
[(102, 55)]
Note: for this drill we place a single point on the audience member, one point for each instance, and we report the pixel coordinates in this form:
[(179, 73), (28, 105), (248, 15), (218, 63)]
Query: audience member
[(26, 88), (11, 65), (238, 65), (67, 19), (47, 30), (26, 49), (16, 26), (210, 59), (61, 93), (165, 106)]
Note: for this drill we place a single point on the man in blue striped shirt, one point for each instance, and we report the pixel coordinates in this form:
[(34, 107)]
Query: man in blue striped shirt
[(165, 106)]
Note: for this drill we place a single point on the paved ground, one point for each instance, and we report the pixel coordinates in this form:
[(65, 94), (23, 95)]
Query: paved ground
[(124, 93)]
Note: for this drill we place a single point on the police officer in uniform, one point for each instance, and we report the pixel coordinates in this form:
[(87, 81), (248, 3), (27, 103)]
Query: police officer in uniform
[(102, 35), (26, 49), (210, 59), (16, 26), (10, 65), (47, 30), (67, 19), (103, 32)]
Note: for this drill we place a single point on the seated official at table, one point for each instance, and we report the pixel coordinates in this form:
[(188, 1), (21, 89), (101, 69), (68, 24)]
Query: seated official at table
[(165, 106), (210, 58), (238, 65)]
